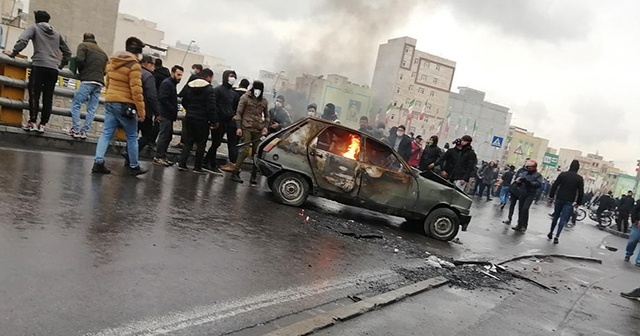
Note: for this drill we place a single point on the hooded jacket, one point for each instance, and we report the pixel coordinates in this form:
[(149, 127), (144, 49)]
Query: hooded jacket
[(168, 97), (529, 183), (124, 81), (161, 74), (47, 43), (329, 113), (569, 186), (200, 101), (465, 166), (225, 98), (252, 114), (150, 93), (431, 154), (489, 173), (91, 62)]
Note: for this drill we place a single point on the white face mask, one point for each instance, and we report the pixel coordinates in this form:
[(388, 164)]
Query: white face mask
[(278, 104), (139, 57), (232, 80), (399, 134), (257, 92)]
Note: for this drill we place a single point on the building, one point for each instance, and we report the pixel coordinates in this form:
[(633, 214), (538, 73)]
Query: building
[(599, 175), (411, 86), (275, 83), (129, 25), (191, 46), (522, 144), (486, 122), (73, 18), (351, 100)]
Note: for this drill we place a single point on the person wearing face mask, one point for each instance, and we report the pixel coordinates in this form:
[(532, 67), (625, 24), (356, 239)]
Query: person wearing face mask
[(401, 143), (252, 118), (528, 182), (330, 112), (430, 155), (312, 110), (279, 116), (225, 99)]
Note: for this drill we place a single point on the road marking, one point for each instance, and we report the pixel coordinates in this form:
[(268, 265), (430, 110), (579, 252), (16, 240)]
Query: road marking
[(160, 325)]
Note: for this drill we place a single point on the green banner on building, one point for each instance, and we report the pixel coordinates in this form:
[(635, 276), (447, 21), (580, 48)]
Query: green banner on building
[(550, 160)]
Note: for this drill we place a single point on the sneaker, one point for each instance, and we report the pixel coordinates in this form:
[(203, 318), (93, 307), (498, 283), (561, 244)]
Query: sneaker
[(507, 222), (83, 134), (40, 128), (517, 228), (73, 133), (555, 240), (161, 162), (633, 295), (213, 170), (229, 167), (137, 171), (550, 236), (178, 145), (183, 168), (235, 177), (199, 171), (626, 258), (99, 168), (30, 126), (254, 181)]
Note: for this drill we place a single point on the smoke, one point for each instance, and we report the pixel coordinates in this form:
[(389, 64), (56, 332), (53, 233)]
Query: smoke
[(343, 37)]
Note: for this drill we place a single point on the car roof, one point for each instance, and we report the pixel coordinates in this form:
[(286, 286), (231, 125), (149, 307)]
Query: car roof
[(347, 128)]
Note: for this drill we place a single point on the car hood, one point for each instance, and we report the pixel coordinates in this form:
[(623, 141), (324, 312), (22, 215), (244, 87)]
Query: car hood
[(431, 182)]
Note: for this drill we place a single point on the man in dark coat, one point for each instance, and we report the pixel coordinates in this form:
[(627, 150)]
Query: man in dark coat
[(279, 116), (568, 190), (465, 166), (431, 154), (606, 203), (624, 210), (528, 181), (168, 97), (401, 143), (160, 72)]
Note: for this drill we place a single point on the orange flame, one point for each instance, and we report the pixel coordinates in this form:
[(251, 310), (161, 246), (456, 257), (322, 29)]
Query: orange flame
[(354, 148)]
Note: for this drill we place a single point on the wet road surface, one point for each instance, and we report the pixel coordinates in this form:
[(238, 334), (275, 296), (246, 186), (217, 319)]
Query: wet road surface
[(178, 253)]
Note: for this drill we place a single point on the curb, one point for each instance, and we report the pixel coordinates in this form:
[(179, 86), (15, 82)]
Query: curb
[(616, 233), (330, 318)]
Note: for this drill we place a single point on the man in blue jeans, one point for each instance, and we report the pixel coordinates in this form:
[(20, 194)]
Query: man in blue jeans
[(634, 236), (91, 62), (568, 190)]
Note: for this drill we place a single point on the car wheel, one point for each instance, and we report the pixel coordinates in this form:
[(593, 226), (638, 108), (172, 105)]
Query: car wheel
[(442, 224), (291, 189)]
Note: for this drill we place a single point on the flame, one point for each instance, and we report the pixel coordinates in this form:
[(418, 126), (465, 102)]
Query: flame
[(354, 147)]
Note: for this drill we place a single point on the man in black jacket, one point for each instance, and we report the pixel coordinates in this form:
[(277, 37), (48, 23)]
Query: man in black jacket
[(507, 178), (168, 97), (606, 202), (150, 102), (568, 190), (199, 100), (195, 74), (225, 99), (465, 166), (279, 116), (91, 63), (431, 154), (624, 210), (401, 143), (160, 72)]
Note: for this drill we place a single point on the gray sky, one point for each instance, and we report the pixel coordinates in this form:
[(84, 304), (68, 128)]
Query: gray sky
[(566, 68)]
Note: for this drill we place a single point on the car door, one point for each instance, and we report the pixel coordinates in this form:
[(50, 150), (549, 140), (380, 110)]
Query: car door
[(333, 156), (386, 180)]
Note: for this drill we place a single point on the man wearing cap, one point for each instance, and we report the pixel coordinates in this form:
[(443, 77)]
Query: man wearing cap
[(47, 44), (528, 181), (91, 61)]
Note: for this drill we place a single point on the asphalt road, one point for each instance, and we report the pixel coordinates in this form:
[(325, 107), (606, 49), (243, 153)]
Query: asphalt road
[(178, 253)]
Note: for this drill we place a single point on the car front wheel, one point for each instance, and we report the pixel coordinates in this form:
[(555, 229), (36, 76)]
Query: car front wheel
[(442, 224), (290, 189)]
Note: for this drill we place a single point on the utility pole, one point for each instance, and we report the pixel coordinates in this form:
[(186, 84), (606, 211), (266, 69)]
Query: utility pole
[(187, 51)]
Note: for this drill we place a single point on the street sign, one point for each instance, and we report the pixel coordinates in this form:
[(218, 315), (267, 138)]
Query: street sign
[(518, 151), (550, 160), (497, 141)]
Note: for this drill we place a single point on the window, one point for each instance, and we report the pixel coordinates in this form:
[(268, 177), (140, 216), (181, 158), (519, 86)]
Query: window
[(421, 90), (410, 87), (413, 74), (435, 81), (339, 142), (395, 103), (423, 77), (415, 61), (418, 103), (381, 156), (398, 90), (428, 106), (432, 93), (437, 67), (404, 63), (426, 64), (406, 50), (401, 76)]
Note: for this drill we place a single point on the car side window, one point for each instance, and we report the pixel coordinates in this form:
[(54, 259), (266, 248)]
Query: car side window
[(340, 142), (382, 156)]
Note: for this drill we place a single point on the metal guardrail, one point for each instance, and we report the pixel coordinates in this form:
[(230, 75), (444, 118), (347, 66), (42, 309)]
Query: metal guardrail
[(58, 91)]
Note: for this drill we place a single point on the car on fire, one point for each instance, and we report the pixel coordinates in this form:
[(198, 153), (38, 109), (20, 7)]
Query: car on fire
[(321, 158)]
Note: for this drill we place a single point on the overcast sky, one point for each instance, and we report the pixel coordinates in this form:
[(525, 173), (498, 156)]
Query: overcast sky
[(567, 69)]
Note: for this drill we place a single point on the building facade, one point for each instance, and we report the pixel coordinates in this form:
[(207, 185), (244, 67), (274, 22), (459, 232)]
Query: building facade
[(129, 25), (411, 86), (486, 122), (522, 144), (73, 18)]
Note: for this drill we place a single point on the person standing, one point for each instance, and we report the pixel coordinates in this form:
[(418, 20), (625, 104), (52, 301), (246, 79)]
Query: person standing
[(487, 176), (312, 110), (225, 100), (252, 118), (329, 113), (199, 101), (160, 72), (466, 163), (416, 152), (279, 116), (195, 74), (507, 178), (634, 236), (624, 210), (514, 192), (449, 160), (568, 191), (91, 62), (401, 142), (528, 182), (365, 127), (168, 97), (430, 155), (151, 102), (124, 105), (47, 44), (605, 203)]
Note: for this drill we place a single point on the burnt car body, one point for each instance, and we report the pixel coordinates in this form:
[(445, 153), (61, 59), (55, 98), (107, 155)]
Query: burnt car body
[(321, 158)]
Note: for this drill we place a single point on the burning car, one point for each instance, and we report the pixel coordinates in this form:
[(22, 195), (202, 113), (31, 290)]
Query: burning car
[(317, 157)]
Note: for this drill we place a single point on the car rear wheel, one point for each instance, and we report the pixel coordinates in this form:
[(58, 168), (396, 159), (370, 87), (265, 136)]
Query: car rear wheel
[(442, 224), (290, 189)]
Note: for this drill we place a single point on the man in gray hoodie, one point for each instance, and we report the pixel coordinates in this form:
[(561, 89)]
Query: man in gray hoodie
[(45, 64)]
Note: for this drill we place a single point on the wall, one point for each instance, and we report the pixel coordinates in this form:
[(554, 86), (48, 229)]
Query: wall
[(129, 25)]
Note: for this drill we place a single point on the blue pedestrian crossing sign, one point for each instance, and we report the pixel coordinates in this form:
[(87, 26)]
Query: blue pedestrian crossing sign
[(497, 141)]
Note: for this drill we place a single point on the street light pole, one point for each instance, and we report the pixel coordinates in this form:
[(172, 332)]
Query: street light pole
[(187, 51)]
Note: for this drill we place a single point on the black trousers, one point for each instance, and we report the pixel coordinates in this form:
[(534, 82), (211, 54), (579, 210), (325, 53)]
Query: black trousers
[(147, 130), (165, 133), (42, 81), (523, 210), (197, 134), (228, 128), (512, 205), (623, 221)]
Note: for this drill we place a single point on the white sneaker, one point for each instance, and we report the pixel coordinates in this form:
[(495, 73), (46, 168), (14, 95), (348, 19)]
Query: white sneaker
[(40, 128), (83, 135), (29, 126)]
